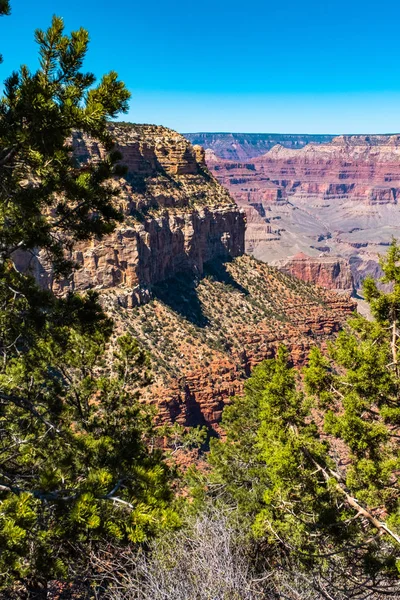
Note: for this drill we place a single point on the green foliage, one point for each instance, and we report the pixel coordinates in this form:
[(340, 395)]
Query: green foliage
[(4, 10), (74, 447), (47, 200), (311, 463), (269, 463), (235, 461), (360, 389), (4, 7), (385, 306), (77, 464), (178, 438)]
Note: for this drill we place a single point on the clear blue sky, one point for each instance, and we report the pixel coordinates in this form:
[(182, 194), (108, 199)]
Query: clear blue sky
[(217, 65)]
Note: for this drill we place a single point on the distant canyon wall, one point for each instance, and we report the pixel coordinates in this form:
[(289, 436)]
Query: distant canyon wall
[(241, 146), (326, 271), (337, 199)]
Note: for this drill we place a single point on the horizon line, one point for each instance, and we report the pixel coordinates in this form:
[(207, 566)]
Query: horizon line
[(280, 133)]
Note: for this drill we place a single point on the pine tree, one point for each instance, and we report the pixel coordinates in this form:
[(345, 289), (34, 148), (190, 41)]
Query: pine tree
[(49, 200), (4, 7), (76, 465), (274, 454), (311, 463), (76, 461), (359, 391)]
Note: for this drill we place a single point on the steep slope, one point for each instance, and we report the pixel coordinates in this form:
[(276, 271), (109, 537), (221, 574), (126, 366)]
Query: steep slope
[(338, 198), (205, 336), (242, 146), (174, 275)]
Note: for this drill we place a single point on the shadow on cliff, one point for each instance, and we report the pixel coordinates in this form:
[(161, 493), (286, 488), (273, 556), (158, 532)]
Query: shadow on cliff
[(216, 269), (180, 294)]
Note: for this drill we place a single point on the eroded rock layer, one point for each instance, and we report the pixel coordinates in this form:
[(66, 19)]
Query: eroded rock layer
[(177, 217), (242, 146), (338, 198), (326, 271), (174, 275), (205, 336)]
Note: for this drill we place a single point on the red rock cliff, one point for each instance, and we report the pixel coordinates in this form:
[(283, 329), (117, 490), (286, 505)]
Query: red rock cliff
[(338, 198), (177, 217), (174, 275), (328, 272)]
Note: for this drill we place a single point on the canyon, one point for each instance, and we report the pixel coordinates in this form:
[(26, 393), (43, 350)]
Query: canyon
[(241, 146), (335, 202), (174, 274)]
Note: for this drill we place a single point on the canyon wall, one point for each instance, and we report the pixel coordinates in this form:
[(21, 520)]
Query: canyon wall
[(241, 146), (337, 199), (174, 274), (326, 271), (177, 217)]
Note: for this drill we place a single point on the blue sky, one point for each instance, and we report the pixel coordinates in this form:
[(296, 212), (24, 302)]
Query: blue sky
[(217, 65)]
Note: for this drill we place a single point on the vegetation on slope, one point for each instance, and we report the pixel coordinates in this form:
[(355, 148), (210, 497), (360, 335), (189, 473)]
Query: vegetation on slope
[(301, 496), (191, 322), (311, 464)]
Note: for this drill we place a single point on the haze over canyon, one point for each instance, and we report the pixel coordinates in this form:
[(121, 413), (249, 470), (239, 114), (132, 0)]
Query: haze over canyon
[(320, 207)]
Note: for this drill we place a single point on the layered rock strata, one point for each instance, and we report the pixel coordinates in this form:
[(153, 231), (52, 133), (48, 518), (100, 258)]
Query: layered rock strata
[(327, 271), (177, 217), (242, 146), (338, 198), (174, 275), (205, 337)]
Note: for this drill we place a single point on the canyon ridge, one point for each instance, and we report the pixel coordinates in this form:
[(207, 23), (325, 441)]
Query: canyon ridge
[(174, 274)]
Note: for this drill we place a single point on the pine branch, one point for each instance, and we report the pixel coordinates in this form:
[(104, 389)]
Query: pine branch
[(351, 501), (27, 405)]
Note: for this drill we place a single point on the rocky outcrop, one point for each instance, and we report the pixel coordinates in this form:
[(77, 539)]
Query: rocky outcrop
[(205, 337), (134, 258), (328, 272), (174, 275), (177, 217), (339, 198)]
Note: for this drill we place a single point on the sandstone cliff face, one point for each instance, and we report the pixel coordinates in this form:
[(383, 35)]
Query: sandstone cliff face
[(327, 272), (177, 217), (338, 198), (134, 258), (174, 275)]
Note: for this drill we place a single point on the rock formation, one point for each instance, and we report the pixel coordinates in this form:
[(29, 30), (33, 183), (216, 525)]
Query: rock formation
[(327, 271), (177, 217), (174, 275), (338, 198), (205, 336)]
